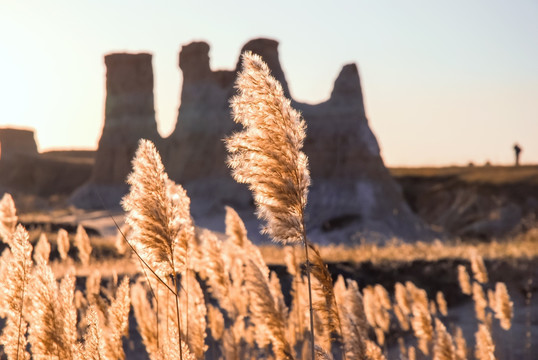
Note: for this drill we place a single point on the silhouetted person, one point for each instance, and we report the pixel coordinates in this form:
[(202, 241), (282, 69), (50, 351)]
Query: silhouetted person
[(517, 150)]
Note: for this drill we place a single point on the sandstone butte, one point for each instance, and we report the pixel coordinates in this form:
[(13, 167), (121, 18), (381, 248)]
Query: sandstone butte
[(352, 197)]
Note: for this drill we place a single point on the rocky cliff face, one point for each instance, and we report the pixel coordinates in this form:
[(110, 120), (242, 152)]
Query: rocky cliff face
[(352, 196)]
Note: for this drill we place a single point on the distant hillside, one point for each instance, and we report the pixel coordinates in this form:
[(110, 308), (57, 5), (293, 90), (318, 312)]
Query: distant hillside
[(85, 156), (476, 202)]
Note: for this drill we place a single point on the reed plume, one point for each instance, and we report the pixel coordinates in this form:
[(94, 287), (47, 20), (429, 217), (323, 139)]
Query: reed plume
[(18, 275), (68, 315), (480, 302), (296, 315), (326, 305), (416, 294), (278, 296), (464, 280), (461, 344), (443, 348), (370, 305), (93, 347), (216, 322), (93, 286), (263, 310), (196, 316), (82, 242), (422, 326), (479, 269), (158, 212), (8, 218), (485, 348), (354, 327), (4, 261), (45, 325), (383, 296), (42, 249), (118, 321), (237, 235), (267, 154), (146, 320), (411, 353), (441, 303), (297, 318), (235, 229), (353, 336), (355, 304), (433, 308), (403, 320), (62, 241), (53, 321), (491, 299), (217, 276), (373, 352), (291, 261), (402, 299), (503, 306)]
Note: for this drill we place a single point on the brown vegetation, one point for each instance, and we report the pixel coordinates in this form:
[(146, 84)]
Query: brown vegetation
[(200, 295)]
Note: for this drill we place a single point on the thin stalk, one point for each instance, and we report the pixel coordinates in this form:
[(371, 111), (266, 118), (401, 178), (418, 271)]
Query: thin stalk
[(175, 283), (22, 305), (298, 331), (187, 294), (312, 346)]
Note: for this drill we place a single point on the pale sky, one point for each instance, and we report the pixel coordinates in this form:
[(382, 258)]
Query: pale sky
[(445, 82)]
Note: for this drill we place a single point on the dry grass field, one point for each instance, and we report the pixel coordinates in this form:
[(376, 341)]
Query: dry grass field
[(166, 289)]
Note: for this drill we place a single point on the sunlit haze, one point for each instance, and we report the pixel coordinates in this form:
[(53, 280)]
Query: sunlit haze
[(444, 82)]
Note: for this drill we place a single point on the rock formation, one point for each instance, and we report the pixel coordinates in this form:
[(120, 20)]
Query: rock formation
[(129, 115), (23, 169), (17, 141), (352, 195)]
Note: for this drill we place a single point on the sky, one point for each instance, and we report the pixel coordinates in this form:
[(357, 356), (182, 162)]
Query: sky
[(444, 82)]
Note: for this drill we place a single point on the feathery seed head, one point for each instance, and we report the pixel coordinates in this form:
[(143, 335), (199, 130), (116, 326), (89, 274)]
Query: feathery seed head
[(235, 228), (263, 309), (62, 241), (441, 303), (444, 346), (485, 348), (8, 218), (422, 326), (158, 212), (479, 268), (480, 302), (461, 344), (267, 154), (464, 280), (42, 249), (503, 306), (82, 242)]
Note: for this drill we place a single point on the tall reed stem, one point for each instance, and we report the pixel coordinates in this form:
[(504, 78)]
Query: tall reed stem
[(175, 283), (311, 309), (21, 308)]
